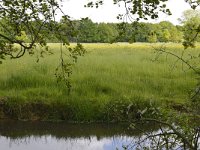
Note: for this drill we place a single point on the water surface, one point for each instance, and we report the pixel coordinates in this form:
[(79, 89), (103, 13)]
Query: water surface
[(15, 135)]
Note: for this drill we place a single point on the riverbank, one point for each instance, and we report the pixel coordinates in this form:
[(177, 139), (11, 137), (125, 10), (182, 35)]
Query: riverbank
[(114, 111)]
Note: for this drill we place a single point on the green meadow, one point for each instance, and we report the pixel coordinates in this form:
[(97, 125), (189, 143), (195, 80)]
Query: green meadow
[(108, 77)]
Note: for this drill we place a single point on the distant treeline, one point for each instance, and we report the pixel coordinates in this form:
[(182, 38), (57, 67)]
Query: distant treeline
[(90, 32)]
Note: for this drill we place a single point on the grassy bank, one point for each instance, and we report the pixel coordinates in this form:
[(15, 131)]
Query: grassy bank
[(107, 79)]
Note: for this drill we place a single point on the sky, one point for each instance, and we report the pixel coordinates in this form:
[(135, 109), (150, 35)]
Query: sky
[(108, 12)]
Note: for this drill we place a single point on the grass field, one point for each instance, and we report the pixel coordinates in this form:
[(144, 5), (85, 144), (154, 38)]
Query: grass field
[(107, 73)]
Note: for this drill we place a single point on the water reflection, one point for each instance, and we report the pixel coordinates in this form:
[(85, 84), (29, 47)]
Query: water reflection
[(16, 135), (52, 143)]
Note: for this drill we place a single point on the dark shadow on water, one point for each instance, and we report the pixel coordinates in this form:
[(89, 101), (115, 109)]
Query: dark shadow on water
[(16, 135)]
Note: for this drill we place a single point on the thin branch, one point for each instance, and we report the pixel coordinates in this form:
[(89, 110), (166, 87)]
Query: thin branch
[(181, 135), (180, 58)]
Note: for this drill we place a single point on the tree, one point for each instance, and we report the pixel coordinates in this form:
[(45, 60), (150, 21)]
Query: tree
[(188, 15), (106, 33), (86, 30), (141, 9), (143, 32), (32, 21), (152, 38), (125, 32), (165, 35), (33, 17), (168, 32), (191, 27)]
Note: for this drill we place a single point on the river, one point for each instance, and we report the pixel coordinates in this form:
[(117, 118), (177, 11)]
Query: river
[(17, 135)]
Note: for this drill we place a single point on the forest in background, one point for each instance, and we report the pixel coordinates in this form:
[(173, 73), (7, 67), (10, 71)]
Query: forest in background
[(90, 32)]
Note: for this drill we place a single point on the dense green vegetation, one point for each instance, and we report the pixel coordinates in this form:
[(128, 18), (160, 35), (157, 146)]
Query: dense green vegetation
[(105, 81), (90, 32)]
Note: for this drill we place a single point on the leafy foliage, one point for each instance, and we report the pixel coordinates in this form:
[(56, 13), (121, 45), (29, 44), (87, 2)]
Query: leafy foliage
[(140, 9), (191, 27), (90, 32), (28, 24), (64, 70)]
